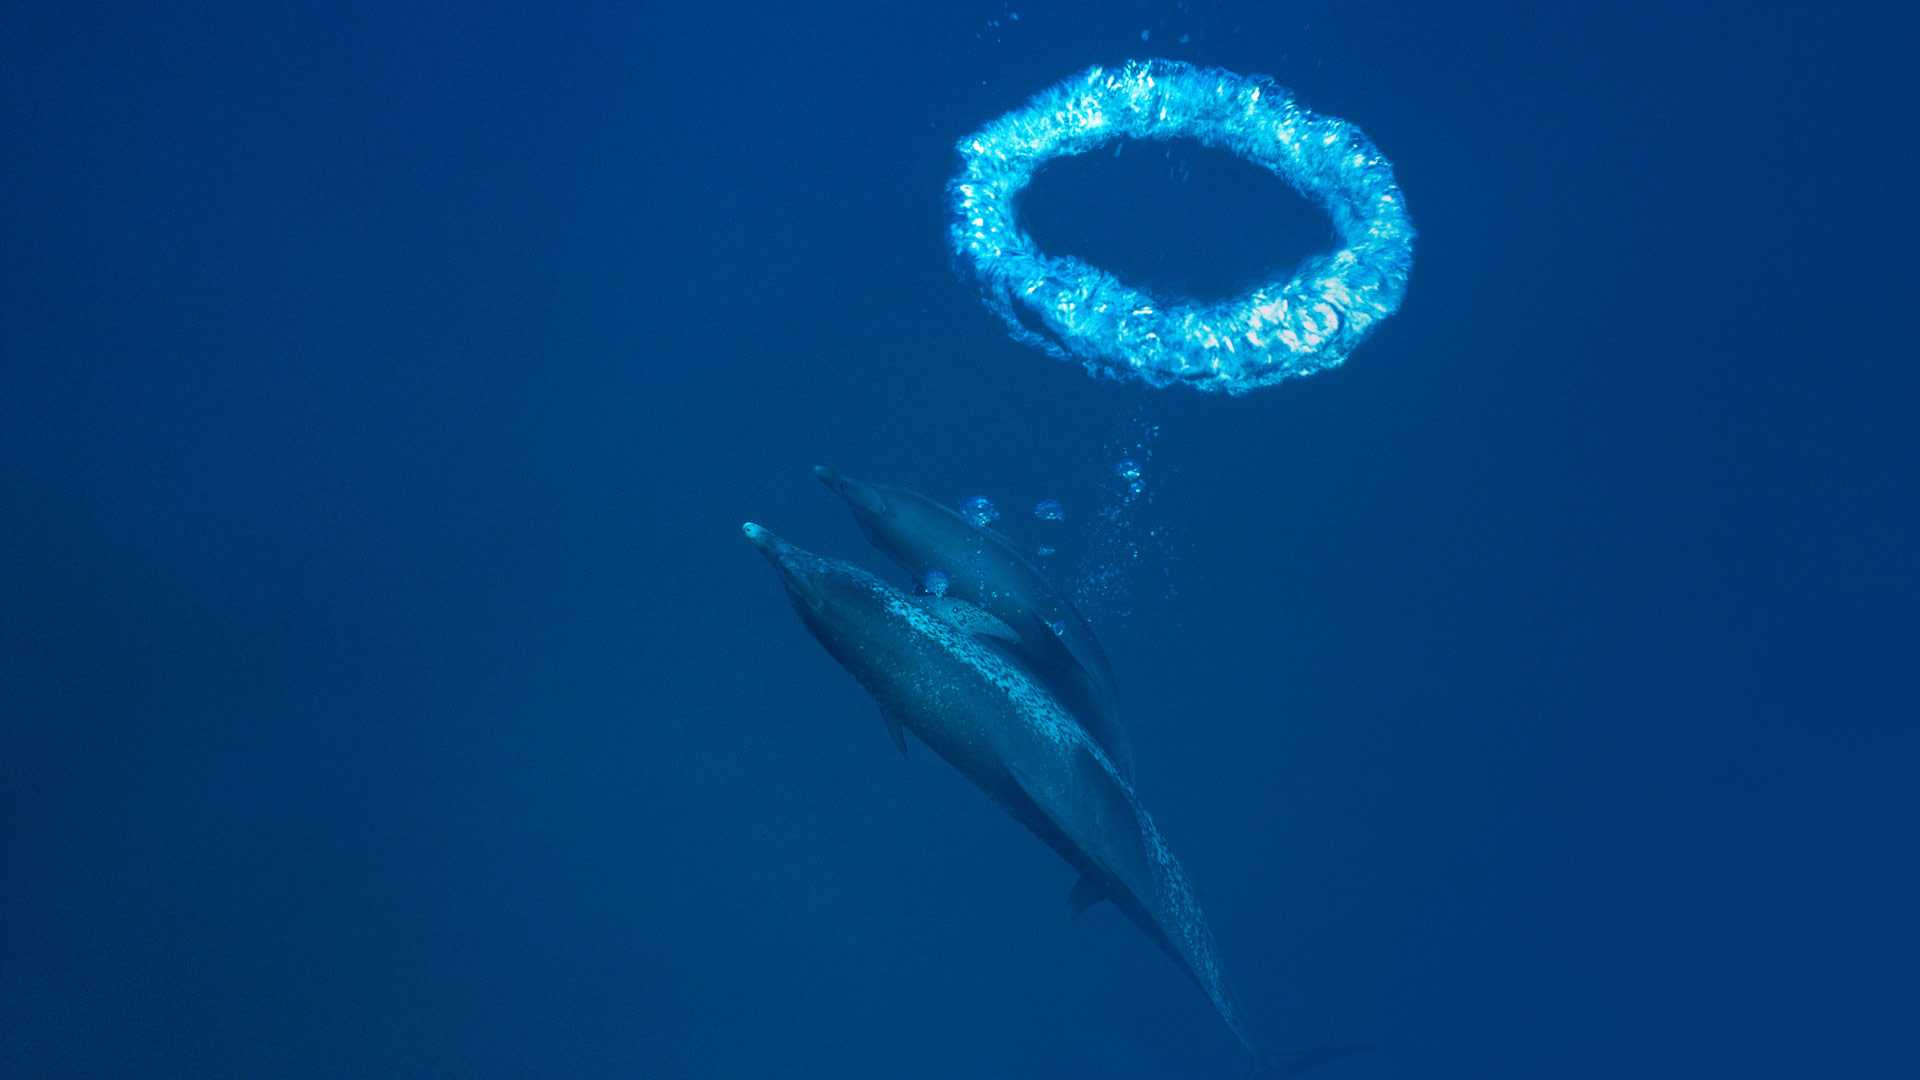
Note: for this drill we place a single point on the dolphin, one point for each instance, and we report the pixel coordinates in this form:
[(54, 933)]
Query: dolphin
[(984, 570), (1008, 734)]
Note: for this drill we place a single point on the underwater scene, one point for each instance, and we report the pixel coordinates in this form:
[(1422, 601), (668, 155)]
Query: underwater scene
[(984, 540)]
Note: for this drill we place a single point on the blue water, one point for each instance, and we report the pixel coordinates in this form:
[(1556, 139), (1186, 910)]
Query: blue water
[(385, 689)]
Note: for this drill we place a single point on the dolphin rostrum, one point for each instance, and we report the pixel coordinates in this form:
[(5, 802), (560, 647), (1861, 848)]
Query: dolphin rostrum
[(984, 570), (1008, 734)]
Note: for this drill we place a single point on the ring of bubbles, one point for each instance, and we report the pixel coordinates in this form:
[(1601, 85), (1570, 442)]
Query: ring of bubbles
[(1305, 323)]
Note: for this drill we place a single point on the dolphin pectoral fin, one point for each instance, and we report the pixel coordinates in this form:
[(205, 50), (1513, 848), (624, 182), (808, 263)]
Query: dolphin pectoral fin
[(894, 728), (1086, 893), (969, 618)]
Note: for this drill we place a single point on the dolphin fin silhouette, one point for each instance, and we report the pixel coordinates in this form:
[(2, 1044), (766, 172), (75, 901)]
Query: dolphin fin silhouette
[(1086, 893), (895, 729), (1308, 1060)]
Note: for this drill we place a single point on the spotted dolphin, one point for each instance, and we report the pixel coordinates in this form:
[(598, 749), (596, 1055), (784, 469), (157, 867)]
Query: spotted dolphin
[(984, 570), (1008, 734)]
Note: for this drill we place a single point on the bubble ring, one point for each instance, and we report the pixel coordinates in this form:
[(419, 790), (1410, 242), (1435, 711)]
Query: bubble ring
[(1303, 324)]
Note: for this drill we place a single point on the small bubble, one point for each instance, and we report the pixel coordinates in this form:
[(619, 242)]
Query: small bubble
[(1049, 510), (1128, 469), (1058, 627), (980, 510), (934, 583), (1044, 551)]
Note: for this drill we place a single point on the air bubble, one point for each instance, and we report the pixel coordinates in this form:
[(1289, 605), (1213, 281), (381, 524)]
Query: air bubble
[(980, 510)]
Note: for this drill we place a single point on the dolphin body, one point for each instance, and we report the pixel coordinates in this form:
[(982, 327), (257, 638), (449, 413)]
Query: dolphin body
[(1010, 736), (984, 570)]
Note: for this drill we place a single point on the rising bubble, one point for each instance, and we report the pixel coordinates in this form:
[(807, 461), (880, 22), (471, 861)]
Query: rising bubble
[(980, 510)]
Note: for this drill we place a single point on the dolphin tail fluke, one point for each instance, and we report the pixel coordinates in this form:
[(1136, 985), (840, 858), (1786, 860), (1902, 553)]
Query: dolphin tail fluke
[(1307, 1060)]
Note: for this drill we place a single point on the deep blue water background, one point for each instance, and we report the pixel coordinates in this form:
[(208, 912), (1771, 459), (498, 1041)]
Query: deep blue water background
[(385, 689)]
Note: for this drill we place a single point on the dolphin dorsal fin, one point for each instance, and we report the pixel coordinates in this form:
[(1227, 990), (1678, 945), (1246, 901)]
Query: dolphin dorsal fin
[(967, 617)]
